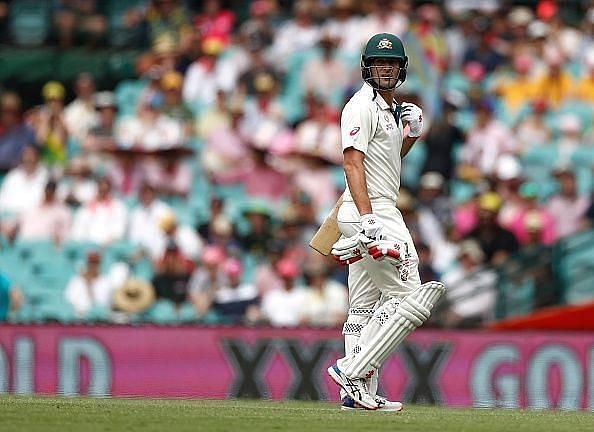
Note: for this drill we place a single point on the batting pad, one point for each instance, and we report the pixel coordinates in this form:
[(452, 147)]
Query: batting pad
[(389, 326)]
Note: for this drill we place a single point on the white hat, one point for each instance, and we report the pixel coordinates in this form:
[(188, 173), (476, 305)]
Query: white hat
[(520, 15), (431, 180), (507, 167)]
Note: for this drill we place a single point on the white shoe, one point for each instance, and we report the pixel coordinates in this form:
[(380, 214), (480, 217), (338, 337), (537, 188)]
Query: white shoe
[(355, 388), (383, 404)]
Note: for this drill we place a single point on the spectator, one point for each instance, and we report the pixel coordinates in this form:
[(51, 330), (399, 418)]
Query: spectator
[(432, 197), (49, 124), (208, 278), (567, 207), (173, 105), (384, 15), (426, 271), (344, 24), (207, 75), (326, 301), (77, 186), (11, 297), (584, 88), (101, 136), (555, 85), (14, 133), (533, 131), (258, 234), (529, 192), (236, 302), (325, 76), (266, 278), (441, 140), (90, 288), (570, 138), (79, 23), (219, 116), (150, 130), (495, 241), (144, 229), (471, 296), (167, 17), (487, 140), (49, 221), (22, 189), (126, 172), (215, 22), (80, 115), (172, 274), (184, 237), (103, 219), (170, 174), (297, 34), (282, 307), (517, 88)]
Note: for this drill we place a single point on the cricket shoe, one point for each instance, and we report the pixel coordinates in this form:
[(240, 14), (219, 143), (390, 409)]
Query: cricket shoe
[(356, 388), (383, 404)]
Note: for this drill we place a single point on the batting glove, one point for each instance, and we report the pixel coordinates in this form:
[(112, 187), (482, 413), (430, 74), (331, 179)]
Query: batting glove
[(385, 250), (371, 227), (414, 116), (348, 250)]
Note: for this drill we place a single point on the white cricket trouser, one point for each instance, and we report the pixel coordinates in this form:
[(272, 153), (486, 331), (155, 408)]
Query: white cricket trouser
[(373, 282)]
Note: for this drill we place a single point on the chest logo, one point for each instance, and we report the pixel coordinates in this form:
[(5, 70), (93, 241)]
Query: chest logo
[(354, 131), (384, 44)]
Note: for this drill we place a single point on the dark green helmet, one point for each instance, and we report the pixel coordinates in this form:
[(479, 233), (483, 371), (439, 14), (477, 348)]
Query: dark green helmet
[(383, 45)]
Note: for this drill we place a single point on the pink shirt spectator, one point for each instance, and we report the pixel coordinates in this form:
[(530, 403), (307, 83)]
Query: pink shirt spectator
[(547, 231), (49, 221)]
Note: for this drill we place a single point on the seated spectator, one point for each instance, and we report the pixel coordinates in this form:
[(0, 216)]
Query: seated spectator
[(22, 188), (167, 17), (529, 192), (432, 197), (171, 172), (567, 207), (103, 219), (487, 140), (215, 22), (11, 297), (471, 294), (79, 23), (101, 135), (80, 115), (207, 279), (441, 138), (326, 301), (533, 131), (495, 241), (49, 221), (151, 129), (517, 89), (266, 277), (259, 231), (183, 236), (236, 301), (172, 274), (90, 287), (145, 218), (77, 187), (218, 116), (126, 172), (555, 85), (584, 88), (282, 307), (327, 75), (15, 135), (49, 124), (173, 105), (570, 137)]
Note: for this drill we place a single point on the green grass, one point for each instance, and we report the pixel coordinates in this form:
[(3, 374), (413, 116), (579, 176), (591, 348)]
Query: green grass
[(25, 414)]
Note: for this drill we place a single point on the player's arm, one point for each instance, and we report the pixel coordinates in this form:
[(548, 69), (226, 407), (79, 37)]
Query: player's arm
[(413, 116), (407, 144), (355, 175)]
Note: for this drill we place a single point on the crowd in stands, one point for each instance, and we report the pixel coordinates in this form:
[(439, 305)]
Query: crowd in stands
[(210, 172)]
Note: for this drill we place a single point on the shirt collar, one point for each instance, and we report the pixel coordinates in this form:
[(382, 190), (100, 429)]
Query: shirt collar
[(379, 100)]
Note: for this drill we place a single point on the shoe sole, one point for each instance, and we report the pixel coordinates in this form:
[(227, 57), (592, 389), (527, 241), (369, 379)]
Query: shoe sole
[(338, 382), (345, 408)]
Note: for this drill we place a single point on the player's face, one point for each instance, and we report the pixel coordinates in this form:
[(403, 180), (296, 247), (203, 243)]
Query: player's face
[(385, 72)]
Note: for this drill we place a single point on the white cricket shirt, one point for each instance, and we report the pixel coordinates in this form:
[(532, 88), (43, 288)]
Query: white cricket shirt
[(367, 124)]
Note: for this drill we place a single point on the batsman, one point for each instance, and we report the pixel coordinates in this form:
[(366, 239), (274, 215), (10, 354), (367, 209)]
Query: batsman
[(386, 298)]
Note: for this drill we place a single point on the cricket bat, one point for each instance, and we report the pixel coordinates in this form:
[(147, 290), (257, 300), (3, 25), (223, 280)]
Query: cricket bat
[(328, 233)]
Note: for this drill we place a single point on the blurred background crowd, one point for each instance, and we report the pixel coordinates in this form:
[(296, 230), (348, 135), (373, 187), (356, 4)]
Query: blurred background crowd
[(186, 188)]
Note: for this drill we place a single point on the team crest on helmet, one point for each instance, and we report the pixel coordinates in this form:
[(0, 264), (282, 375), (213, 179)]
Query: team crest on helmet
[(384, 44)]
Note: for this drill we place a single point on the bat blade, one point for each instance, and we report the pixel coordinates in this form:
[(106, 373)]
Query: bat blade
[(328, 233)]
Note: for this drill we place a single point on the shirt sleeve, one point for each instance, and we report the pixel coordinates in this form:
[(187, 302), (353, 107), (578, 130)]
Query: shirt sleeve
[(356, 127)]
